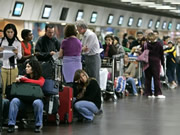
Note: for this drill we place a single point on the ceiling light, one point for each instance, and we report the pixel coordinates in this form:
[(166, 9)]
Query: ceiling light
[(63, 23), (126, 0), (142, 3), (165, 7), (175, 11), (175, 3), (154, 6)]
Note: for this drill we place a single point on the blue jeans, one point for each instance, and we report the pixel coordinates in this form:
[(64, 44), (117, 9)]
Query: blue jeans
[(131, 81), (152, 85), (86, 108), (17, 104)]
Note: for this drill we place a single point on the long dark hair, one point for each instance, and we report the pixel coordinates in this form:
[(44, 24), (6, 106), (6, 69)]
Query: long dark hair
[(13, 27), (36, 69)]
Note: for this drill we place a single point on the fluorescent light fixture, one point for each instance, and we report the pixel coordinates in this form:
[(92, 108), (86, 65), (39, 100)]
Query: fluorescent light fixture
[(126, 0), (154, 6), (93, 17), (178, 26), (130, 21), (110, 19), (139, 23), (165, 7), (142, 3), (169, 25), (150, 23), (18, 8), (175, 3), (121, 18), (157, 24), (164, 25), (63, 23), (46, 11), (175, 11), (79, 15)]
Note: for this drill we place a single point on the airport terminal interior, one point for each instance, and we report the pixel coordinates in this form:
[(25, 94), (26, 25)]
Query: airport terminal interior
[(127, 116), (122, 113)]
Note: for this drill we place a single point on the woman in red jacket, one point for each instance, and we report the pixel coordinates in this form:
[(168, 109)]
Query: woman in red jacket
[(33, 75)]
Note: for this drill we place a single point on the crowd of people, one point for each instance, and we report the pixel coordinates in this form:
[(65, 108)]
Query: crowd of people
[(26, 60)]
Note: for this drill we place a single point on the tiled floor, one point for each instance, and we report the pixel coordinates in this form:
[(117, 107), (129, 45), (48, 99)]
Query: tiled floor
[(128, 116)]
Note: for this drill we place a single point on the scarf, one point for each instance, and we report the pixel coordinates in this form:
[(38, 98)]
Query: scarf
[(11, 59)]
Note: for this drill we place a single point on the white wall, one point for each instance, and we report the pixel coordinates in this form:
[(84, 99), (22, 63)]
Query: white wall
[(33, 12)]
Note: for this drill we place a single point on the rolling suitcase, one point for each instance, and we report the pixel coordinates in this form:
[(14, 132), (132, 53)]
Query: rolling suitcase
[(65, 109)]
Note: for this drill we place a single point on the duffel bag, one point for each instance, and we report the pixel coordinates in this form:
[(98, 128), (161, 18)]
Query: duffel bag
[(26, 91), (51, 87)]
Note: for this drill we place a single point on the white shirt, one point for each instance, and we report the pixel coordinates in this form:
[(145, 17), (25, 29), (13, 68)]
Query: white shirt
[(91, 41), (16, 44)]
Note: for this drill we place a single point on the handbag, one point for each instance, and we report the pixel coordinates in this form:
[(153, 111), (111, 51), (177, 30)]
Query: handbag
[(26, 91), (51, 87), (144, 57)]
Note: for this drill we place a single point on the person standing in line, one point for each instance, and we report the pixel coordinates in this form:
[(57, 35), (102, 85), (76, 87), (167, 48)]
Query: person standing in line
[(9, 69), (156, 58), (26, 49), (47, 45), (71, 52), (90, 49), (178, 60), (170, 51)]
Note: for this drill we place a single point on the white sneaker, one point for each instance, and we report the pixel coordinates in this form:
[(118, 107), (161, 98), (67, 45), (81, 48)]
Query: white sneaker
[(151, 96), (161, 96)]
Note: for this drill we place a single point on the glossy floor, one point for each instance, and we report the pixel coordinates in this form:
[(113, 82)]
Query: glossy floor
[(128, 116)]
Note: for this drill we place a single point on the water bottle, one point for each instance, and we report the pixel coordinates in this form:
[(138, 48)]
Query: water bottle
[(50, 105)]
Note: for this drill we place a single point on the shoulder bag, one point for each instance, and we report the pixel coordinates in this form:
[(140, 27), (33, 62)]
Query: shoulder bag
[(26, 91)]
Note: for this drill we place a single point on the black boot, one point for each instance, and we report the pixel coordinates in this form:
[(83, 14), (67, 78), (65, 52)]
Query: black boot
[(11, 129)]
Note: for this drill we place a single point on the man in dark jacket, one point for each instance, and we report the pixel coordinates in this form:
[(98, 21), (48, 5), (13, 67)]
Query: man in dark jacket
[(47, 45)]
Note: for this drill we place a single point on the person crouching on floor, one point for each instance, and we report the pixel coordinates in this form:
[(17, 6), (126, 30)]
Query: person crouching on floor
[(88, 96)]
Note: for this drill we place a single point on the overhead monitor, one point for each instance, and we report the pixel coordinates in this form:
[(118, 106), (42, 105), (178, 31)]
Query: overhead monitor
[(18, 8), (110, 19), (64, 13), (139, 22), (46, 11), (93, 17), (178, 26), (121, 18), (79, 15), (164, 25), (130, 21), (150, 23), (157, 24), (169, 25)]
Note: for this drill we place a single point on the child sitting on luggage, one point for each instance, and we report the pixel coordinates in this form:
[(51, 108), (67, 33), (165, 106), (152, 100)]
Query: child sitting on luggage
[(128, 77), (33, 75), (88, 96)]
